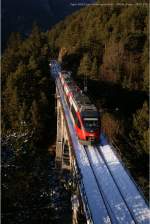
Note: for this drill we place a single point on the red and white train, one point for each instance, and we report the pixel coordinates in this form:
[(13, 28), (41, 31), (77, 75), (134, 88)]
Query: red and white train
[(84, 114)]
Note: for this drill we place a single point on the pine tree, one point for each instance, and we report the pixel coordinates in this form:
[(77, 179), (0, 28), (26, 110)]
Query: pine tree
[(10, 57), (14, 42), (11, 105), (140, 132), (85, 66), (146, 78), (36, 117), (94, 69)]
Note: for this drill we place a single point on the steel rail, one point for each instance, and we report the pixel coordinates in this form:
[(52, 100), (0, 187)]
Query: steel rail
[(102, 156), (108, 207)]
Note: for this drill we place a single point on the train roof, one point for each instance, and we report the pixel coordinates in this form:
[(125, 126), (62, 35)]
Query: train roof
[(83, 102)]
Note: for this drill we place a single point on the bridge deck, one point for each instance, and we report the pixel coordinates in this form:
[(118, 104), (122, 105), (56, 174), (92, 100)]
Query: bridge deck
[(111, 193), (95, 202), (128, 189)]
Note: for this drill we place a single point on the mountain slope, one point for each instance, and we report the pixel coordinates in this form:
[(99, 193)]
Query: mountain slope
[(108, 47), (109, 38), (19, 16)]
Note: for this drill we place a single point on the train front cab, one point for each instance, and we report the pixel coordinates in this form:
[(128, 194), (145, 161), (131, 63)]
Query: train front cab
[(86, 136), (91, 126)]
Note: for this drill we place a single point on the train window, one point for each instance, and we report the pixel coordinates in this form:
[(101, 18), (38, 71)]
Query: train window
[(78, 123), (91, 124), (73, 113)]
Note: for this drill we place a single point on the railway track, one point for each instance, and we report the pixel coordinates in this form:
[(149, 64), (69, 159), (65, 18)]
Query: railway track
[(117, 186), (111, 194), (108, 207), (129, 191), (116, 205), (96, 203)]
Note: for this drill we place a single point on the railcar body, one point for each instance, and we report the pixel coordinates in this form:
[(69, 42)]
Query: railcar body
[(84, 114)]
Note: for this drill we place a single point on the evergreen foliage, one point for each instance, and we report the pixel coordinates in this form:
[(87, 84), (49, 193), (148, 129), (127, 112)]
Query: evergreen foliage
[(140, 132), (107, 47), (110, 44), (114, 36), (26, 87), (85, 65)]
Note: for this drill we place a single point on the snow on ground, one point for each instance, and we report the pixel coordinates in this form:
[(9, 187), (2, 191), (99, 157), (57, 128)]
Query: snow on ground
[(132, 196), (109, 188)]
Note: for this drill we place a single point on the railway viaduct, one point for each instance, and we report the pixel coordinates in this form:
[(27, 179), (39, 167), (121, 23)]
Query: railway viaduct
[(104, 191), (65, 159)]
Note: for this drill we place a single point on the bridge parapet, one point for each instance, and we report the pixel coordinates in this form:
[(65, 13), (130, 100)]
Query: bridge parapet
[(65, 159)]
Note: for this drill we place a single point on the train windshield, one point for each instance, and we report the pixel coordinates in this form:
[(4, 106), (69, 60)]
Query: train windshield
[(91, 124)]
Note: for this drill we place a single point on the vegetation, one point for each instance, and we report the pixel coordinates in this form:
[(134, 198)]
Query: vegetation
[(27, 89), (106, 46), (28, 128), (31, 191), (113, 41)]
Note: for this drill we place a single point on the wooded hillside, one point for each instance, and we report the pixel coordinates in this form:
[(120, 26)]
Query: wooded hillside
[(27, 100), (107, 47)]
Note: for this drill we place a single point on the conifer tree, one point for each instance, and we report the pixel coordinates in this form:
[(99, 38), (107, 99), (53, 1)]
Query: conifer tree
[(146, 78), (85, 66), (140, 132), (35, 114), (94, 69)]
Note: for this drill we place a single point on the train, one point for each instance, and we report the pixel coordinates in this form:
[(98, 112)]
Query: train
[(84, 114)]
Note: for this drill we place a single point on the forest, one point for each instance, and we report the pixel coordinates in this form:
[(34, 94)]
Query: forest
[(105, 46)]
